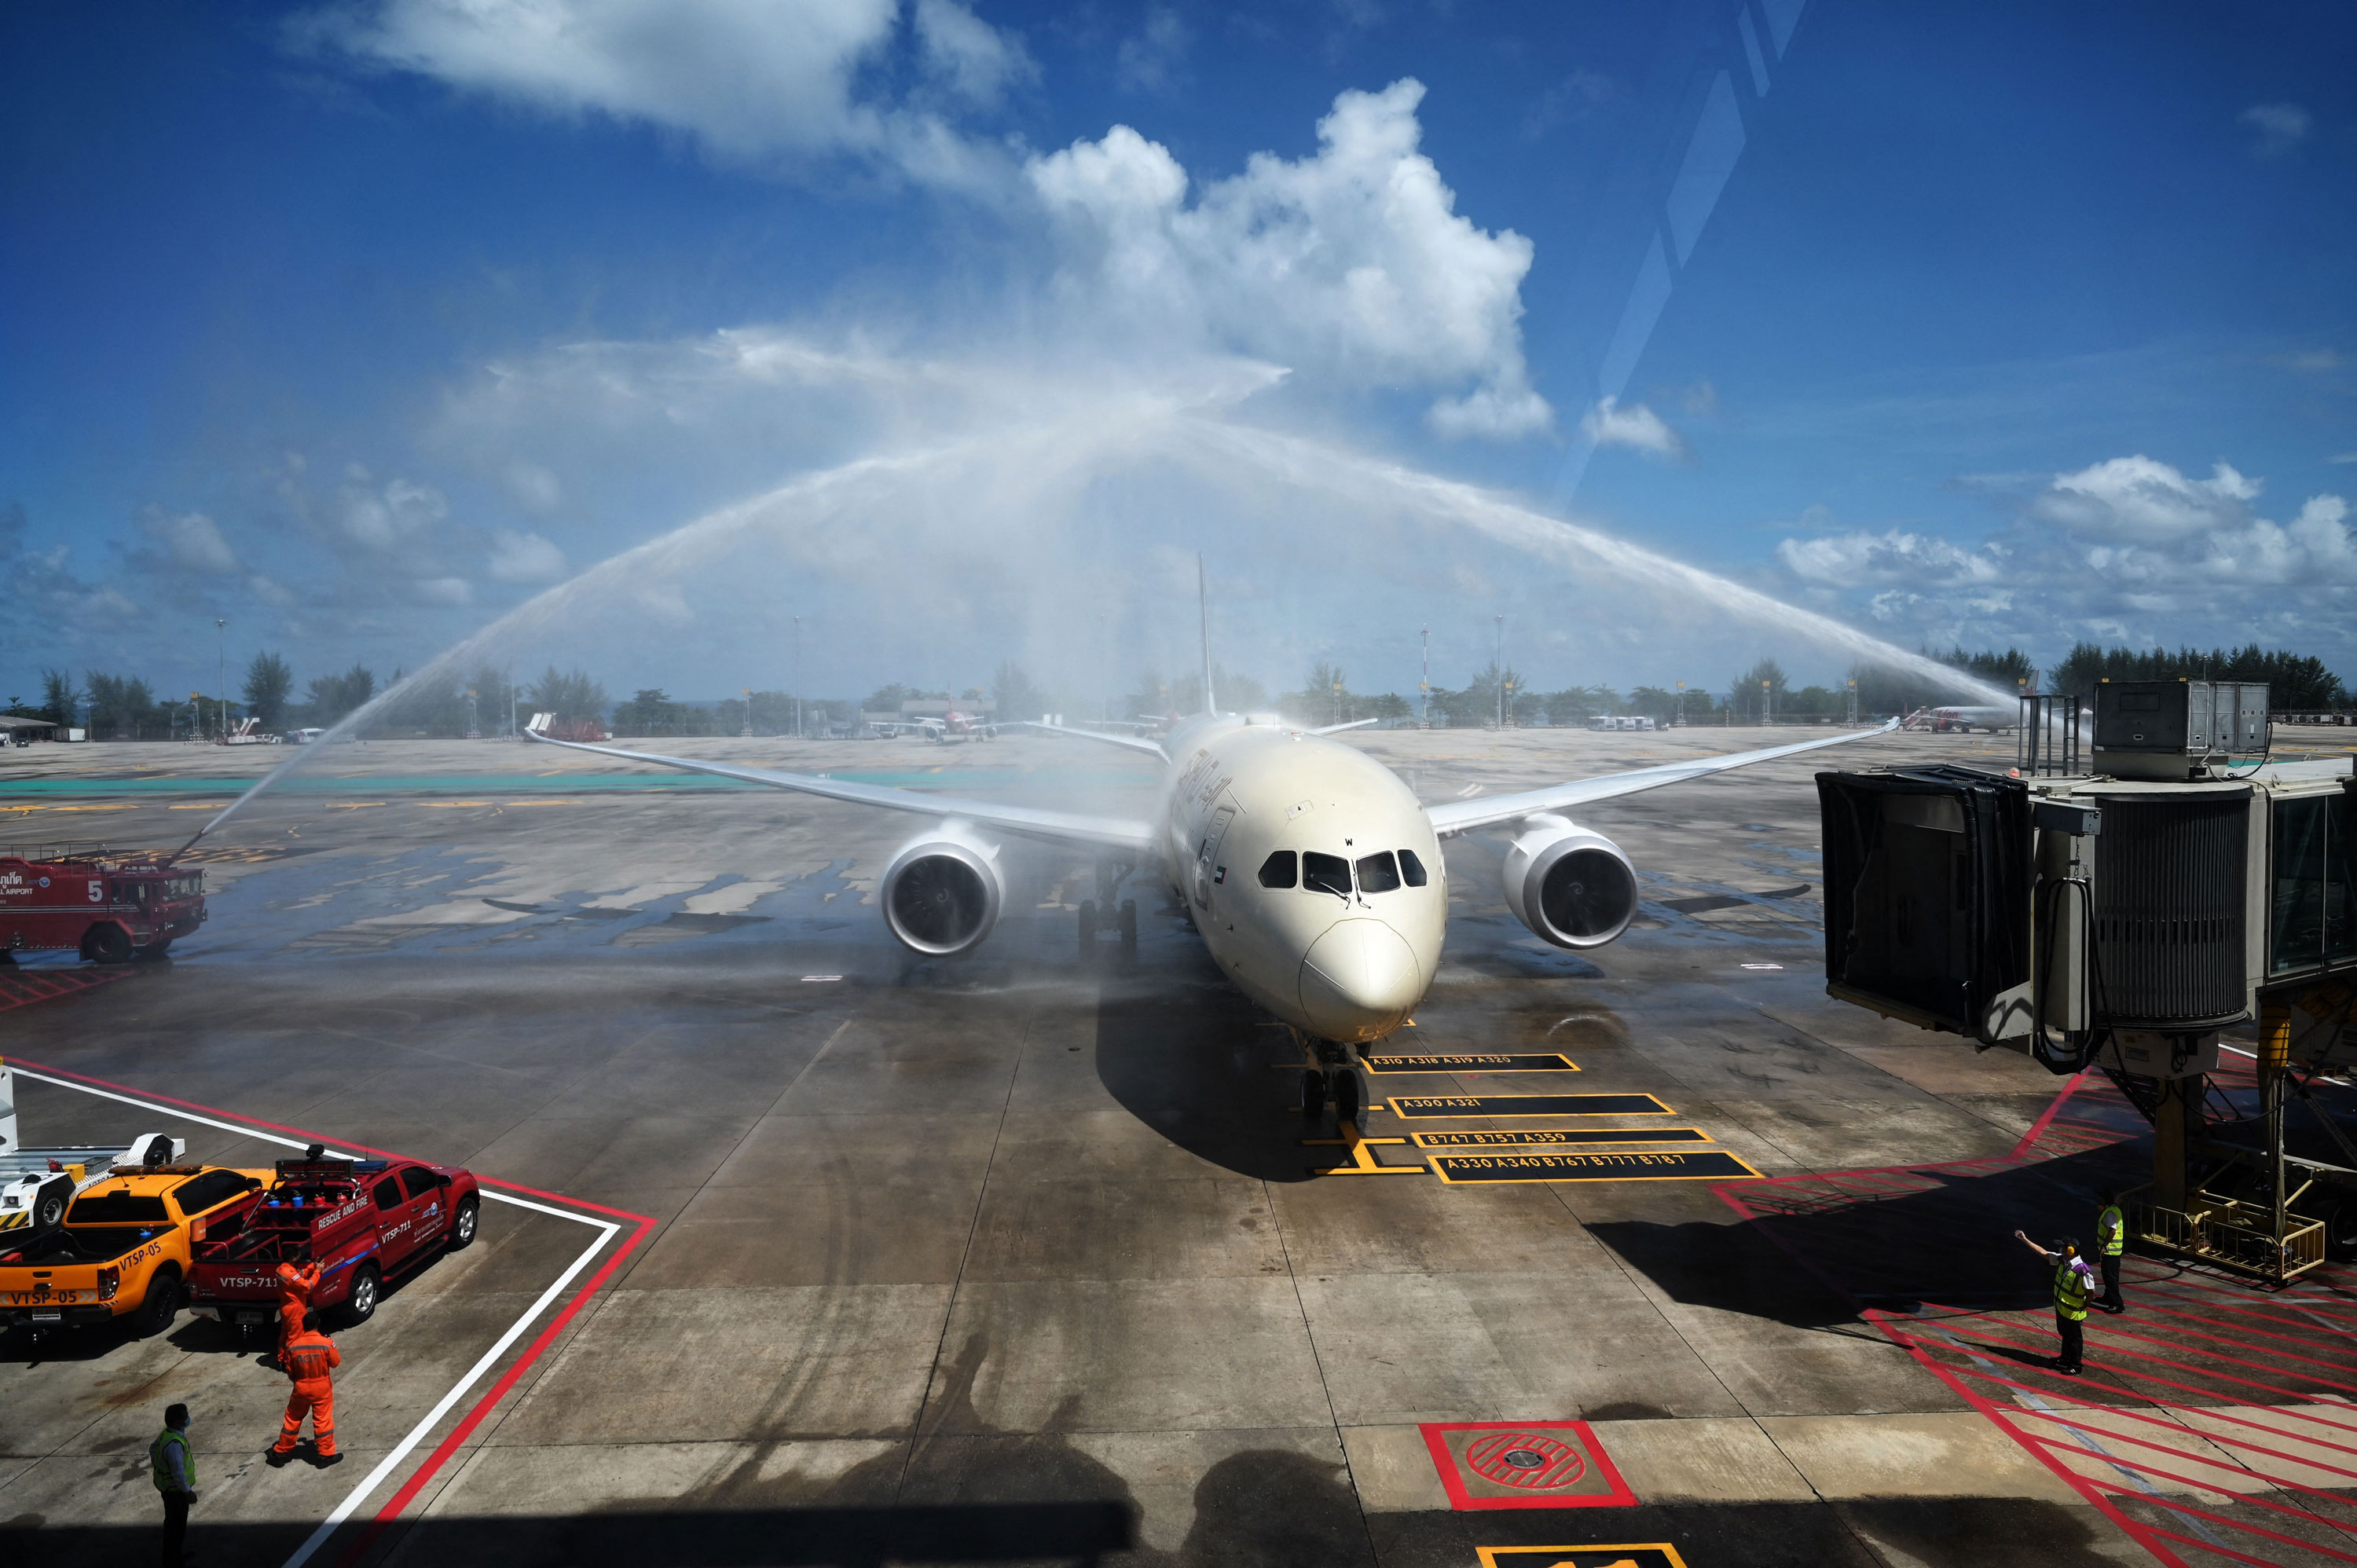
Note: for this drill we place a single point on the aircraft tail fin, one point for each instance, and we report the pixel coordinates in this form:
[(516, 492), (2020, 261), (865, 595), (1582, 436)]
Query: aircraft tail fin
[(1203, 605)]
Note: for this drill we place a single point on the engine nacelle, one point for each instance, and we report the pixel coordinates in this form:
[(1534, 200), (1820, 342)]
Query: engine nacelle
[(941, 890), (1571, 886)]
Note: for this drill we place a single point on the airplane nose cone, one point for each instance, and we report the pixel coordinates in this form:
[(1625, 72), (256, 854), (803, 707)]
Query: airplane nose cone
[(1360, 981)]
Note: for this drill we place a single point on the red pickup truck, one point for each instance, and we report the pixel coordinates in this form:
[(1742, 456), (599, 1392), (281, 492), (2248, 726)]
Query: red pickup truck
[(361, 1220)]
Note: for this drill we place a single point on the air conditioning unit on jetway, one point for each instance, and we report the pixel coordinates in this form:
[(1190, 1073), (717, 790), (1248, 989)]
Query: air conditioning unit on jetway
[(2128, 919)]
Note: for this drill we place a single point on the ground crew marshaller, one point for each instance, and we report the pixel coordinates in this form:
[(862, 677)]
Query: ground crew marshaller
[(308, 1360), (294, 1288), (176, 1478), (2074, 1281), (2110, 1241)]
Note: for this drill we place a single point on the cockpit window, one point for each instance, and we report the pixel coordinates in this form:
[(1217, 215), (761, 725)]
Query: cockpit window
[(1277, 870), (1325, 873), (1411, 868), (1378, 873)]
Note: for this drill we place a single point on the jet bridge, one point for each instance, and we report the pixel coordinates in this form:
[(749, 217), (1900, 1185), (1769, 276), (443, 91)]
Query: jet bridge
[(2122, 919)]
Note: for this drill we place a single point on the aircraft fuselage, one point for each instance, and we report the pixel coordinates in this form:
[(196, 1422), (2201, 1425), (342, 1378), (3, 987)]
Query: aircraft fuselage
[(1311, 871)]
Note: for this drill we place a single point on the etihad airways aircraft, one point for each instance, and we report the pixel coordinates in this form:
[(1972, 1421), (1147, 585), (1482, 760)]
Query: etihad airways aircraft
[(1312, 872)]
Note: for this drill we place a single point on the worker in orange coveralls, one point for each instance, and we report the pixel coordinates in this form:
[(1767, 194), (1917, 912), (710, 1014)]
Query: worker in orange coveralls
[(294, 1288), (309, 1359)]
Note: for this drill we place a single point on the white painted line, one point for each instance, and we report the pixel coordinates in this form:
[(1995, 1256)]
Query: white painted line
[(386, 1465), (606, 1230)]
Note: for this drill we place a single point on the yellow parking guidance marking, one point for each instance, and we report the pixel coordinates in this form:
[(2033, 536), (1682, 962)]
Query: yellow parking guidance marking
[(1551, 1136), (1490, 1170), (1535, 1061), (1361, 1162), (1425, 1107), (1633, 1554)]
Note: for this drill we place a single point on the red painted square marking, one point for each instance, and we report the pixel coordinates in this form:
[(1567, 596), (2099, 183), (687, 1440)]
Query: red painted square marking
[(1524, 1464)]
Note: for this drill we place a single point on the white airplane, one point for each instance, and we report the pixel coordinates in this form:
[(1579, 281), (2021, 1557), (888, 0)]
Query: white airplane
[(1312, 872)]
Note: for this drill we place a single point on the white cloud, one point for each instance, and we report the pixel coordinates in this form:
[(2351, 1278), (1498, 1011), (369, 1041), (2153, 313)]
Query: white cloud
[(2280, 127), (389, 518), (1610, 425), (749, 80), (1149, 59), (525, 558), (2342, 458), (270, 591), (1353, 263), (446, 591), (533, 487), (191, 540), (2138, 499), (972, 58), (2131, 549), (1854, 560)]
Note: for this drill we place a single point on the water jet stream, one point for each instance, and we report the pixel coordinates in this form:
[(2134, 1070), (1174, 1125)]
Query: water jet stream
[(1057, 459)]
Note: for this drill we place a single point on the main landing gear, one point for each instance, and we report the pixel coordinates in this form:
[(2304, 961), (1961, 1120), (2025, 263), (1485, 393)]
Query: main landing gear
[(1122, 919)]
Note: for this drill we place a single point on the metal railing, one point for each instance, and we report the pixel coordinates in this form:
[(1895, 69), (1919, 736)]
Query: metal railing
[(2230, 1232)]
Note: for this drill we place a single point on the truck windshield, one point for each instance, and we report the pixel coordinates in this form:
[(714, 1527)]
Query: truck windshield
[(117, 1208)]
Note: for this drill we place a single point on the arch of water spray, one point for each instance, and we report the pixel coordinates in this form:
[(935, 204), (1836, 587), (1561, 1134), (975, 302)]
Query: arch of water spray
[(1050, 456)]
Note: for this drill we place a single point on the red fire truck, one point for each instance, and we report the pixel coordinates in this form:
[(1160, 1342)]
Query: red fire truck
[(110, 908)]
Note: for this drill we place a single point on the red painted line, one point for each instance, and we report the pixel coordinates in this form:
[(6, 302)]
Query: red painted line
[(2198, 1371), (2238, 1467), (2037, 1128), (2136, 1530), (2251, 1346), (482, 1407), (26, 987), (2175, 1507), (2270, 1483), (2221, 1550), (533, 1352), (2310, 1328)]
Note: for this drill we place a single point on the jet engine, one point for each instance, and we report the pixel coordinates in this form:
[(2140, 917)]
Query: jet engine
[(941, 890), (1571, 887)]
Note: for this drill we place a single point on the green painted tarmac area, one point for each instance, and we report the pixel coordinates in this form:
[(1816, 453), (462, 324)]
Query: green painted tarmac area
[(527, 784)]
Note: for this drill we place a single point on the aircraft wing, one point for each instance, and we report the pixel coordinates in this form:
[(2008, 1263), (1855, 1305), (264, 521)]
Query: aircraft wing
[(1054, 827), (1126, 742), (1488, 810), (1337, 729)]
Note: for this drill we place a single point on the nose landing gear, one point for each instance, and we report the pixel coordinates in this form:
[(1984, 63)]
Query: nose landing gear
[(1334, 1081)]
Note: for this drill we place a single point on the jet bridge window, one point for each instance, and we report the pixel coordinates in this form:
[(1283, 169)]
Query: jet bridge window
[(1279, 870), (1325, 873), (1411, 868), (1378, 873)]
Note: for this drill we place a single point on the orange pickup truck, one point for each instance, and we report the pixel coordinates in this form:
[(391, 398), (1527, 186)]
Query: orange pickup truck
[(123, 1251)]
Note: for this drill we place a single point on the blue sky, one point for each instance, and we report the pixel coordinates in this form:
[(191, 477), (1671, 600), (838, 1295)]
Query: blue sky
[(359, 325)]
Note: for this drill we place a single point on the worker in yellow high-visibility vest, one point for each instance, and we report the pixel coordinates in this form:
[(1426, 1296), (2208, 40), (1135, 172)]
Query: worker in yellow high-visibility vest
[(2110, 1241), (2074, 1281)]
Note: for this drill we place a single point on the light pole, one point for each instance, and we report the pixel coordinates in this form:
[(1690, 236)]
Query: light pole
[(1424, 686), (1499, 660), (1682, 705), (798, 680), (1853, 701), (1765, 699), (222, 702), (749, 712)]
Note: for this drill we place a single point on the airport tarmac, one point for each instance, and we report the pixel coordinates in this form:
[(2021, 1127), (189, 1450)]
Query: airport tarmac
[(810, 1250)]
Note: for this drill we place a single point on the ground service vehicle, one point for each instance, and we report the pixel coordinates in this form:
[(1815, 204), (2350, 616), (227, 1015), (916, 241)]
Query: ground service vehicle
[(35, 1183), (111, 909), (361, 1220), (123, 1251)]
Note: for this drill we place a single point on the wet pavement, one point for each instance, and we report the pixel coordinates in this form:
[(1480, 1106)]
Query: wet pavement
[(810, 1250)]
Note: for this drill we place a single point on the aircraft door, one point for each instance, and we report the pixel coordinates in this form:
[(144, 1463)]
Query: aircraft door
[(1208, 853)]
